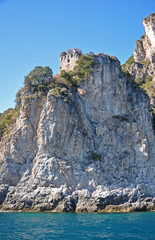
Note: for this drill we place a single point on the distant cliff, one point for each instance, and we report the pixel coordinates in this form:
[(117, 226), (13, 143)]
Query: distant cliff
[(145, 48), (141, 65), (86, 142)]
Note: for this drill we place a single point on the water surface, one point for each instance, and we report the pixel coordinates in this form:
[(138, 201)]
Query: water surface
[(73, 226)]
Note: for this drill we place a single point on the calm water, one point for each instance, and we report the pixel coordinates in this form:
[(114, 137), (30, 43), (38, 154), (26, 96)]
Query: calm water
[(77, 226)]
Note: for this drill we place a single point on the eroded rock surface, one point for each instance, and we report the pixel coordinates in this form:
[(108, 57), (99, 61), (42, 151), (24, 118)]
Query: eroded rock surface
[(145, 48), (141, 65), (144, 52)]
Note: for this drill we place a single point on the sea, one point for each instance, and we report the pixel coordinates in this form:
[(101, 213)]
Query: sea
[(40, 226)]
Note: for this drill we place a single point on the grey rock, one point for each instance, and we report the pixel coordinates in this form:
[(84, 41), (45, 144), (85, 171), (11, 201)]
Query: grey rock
[(3, 193), (145, 48)]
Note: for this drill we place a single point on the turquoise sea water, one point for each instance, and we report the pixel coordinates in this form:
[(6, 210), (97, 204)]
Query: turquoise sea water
[(40, 226)]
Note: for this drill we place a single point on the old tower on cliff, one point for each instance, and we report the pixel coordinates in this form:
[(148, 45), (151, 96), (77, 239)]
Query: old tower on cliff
[(68, 59)]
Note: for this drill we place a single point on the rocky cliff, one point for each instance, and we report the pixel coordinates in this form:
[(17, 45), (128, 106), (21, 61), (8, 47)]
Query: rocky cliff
[(145, 48), (94, 153), (141, 65), (143, 61)]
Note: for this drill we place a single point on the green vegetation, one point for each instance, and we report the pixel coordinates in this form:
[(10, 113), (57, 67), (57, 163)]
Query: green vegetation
[(147, 19), (64, 85), (28, 98), (63, 93), (127, 74), (130, 80), (139, 81), (128, 62), (145, 63), (18, 98), (38, 79), (63, 54), (68, 78), (84, 66), (148, 79), (7, 119), (149, 86), (142, 37), (41, 80), (121, 118), (95, 156)]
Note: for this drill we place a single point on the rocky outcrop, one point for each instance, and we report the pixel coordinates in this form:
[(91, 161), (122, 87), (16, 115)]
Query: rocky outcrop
[(145, 48), (144, 53), (141, 65), (94, 154), (139, 52)]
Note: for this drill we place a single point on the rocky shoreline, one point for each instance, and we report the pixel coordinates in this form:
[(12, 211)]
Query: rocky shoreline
[(103, 201)]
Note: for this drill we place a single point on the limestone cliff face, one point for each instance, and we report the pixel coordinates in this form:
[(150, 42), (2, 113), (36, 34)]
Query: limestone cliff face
[(145, 48), (144, 52), (85, 156), (142, 66)]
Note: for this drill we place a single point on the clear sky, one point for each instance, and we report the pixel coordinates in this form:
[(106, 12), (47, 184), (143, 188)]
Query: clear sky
[(34, 32)]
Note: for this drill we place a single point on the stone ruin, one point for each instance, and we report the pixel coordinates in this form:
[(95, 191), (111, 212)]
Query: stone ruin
[(68, 59)]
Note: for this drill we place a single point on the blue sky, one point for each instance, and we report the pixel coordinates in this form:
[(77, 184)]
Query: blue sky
[(34, 32)]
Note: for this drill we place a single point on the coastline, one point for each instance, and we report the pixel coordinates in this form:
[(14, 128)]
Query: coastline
[(122, 208)]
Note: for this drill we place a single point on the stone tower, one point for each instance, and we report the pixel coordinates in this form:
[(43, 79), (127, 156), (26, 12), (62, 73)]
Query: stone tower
[(68, 60)]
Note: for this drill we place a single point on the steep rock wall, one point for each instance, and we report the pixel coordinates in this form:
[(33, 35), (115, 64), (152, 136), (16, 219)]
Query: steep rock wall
[(144, 52), (142, 66), (145, 48)]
